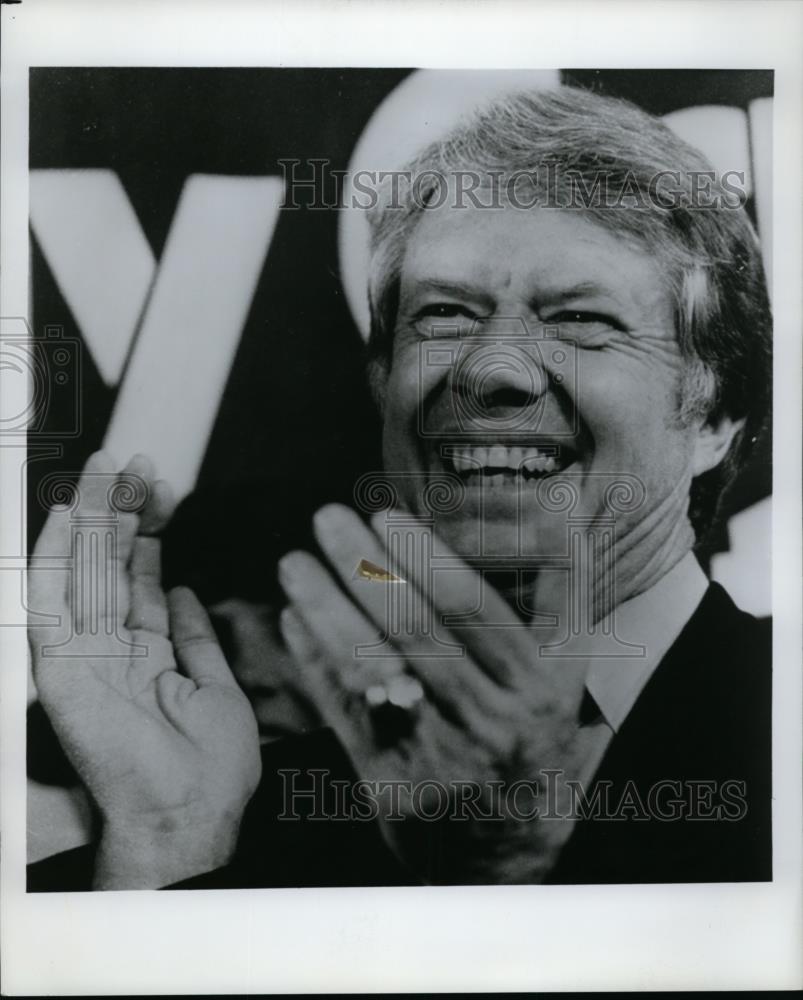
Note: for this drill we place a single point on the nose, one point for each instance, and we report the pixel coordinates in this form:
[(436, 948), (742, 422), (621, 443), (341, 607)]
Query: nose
[(499, 381)]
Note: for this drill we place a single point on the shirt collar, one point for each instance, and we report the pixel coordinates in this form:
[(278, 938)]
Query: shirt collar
[(649, 623)]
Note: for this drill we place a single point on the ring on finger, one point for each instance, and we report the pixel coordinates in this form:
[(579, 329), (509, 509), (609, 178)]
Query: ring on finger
[(394, 706)]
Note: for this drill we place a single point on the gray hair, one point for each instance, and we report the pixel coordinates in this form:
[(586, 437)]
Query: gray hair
[(709, 251)]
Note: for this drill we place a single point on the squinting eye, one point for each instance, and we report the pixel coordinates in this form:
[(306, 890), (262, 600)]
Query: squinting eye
[(445, 310), (445, 319), (585, 318)]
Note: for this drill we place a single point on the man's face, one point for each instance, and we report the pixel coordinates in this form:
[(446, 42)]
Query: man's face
[(534, 348)]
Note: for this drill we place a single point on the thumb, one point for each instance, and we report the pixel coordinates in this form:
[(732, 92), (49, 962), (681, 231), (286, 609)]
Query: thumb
[(197, 650)]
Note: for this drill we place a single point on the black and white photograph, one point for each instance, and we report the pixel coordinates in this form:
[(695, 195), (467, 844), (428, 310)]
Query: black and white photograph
[(397, 510)]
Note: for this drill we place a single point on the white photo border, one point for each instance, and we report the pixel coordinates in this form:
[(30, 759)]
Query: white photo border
[(468, 939)]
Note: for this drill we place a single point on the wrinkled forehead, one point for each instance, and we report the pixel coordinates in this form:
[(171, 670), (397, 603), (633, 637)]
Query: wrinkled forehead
[(533, 252)]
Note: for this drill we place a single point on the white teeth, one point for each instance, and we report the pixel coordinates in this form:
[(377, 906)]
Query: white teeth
[(534, 461), (498, 457), (461, 461)]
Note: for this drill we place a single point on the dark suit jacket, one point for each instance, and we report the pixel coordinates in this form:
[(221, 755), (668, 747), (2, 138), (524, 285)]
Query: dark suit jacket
[(695, 749)]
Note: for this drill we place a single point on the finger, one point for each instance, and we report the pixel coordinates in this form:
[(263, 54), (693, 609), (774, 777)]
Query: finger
[(98, 476), (457, 687), (346, 542), (172, 692), (403, 610), (147, 602), (317, 681), (197, 650), (102, 536), (337, 624), (344, 711), (146, 496), (499, 641), (159, 509), (49, 618), (397, 607), (141, 466), (133, 491), (47, 581), (53, 590)]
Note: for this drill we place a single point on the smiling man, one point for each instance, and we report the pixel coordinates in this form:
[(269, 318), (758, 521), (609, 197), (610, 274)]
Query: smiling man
[(570, 350), (583, 384)]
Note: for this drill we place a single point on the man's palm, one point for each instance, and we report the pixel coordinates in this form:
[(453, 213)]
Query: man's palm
[(134, 683)]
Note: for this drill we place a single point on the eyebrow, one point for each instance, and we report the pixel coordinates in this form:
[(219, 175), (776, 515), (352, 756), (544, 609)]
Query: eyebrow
[(548, 297), (584, 288), (458, 289)]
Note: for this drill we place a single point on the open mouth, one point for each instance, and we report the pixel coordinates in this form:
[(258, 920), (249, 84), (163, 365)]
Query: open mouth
[(496, 463)]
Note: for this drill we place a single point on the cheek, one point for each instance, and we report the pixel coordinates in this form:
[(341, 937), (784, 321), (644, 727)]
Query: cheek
[(404, 395), (403, 385), (626, 405)]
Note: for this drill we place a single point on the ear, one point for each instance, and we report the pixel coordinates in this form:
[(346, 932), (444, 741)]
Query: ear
[(713, 441)]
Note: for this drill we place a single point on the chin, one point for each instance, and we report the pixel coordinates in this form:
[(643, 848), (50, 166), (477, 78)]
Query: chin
[(513, 541)]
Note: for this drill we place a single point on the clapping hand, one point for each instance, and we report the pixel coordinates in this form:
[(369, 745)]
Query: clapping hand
[(497, 715), (136, 686)]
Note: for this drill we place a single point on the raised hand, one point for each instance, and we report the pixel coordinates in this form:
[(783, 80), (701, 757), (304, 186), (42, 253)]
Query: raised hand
[(136, 686), (496, 715)]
